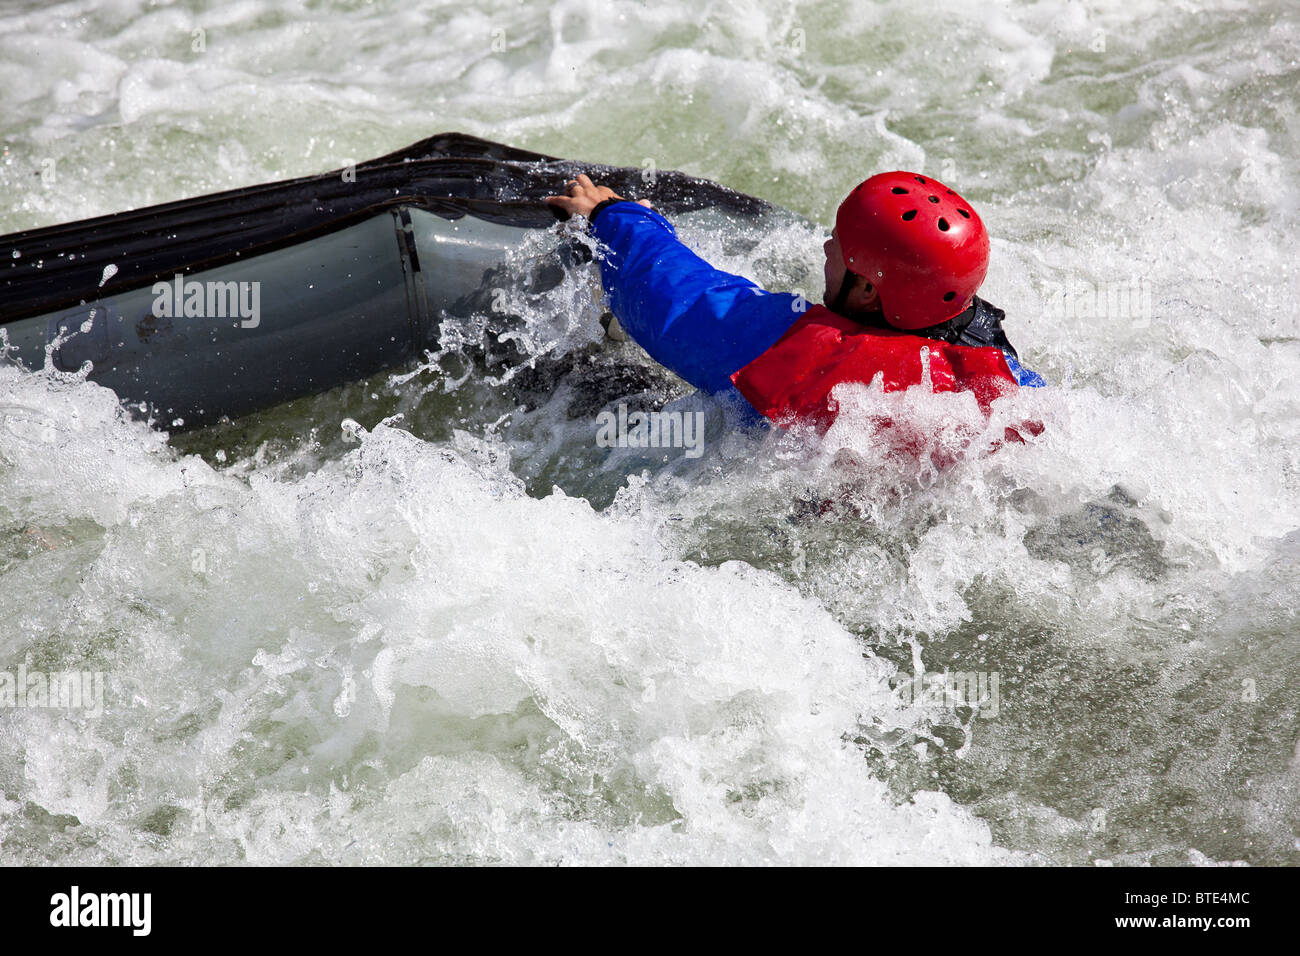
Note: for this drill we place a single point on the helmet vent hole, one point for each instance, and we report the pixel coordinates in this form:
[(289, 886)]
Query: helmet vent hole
[(951, 193), (949, 296), (898, 190), (909, 215), (964, 213), (934, 199), (919, 180), (943, 225)]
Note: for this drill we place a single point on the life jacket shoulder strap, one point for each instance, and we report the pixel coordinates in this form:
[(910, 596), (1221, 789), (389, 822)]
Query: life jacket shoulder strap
[(984, 329), (979, 326)]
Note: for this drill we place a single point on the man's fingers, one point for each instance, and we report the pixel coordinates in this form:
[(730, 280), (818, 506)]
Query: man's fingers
[(577, 186), (581, 196)]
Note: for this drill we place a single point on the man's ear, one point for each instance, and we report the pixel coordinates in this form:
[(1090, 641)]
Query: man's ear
[(863, 296), (873, 297)]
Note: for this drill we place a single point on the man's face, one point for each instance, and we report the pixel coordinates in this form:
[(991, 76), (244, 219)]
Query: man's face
[(863, 297), (834, 269)]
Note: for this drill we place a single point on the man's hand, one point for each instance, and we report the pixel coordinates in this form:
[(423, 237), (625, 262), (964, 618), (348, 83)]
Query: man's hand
[(582, 196)]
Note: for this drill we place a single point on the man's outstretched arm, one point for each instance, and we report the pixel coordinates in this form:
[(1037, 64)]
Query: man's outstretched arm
[(698, 321)]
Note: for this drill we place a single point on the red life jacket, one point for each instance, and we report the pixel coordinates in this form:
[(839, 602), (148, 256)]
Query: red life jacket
[(792, 381)]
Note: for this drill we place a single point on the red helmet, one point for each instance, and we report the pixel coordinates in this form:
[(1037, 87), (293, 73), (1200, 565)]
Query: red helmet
[(920, 244)]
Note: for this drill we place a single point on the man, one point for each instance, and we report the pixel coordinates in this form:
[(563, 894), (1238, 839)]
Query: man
[(903, 264)]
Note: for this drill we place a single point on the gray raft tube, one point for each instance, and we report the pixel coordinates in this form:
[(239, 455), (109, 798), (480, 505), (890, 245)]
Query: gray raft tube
[(293, 288), (243, 336)]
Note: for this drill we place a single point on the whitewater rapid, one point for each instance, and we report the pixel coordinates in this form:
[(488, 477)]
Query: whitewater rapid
[(454, 630)]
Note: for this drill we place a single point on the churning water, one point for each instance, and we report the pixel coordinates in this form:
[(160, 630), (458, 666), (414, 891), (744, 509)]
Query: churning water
[(427, 619)]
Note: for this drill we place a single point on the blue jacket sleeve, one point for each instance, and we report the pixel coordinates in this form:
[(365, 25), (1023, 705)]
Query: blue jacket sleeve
[(1025, 377), (699, 322)]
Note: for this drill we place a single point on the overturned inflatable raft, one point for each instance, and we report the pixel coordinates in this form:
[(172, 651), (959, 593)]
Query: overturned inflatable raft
[(221, 305)]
